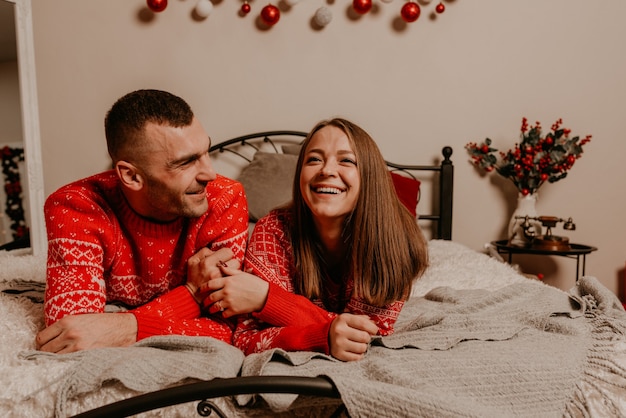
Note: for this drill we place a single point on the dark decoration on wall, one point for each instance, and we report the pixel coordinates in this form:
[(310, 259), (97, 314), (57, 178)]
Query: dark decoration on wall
[(270, 14), (362, 6), (11, 157), (410, 11), (157, 5)]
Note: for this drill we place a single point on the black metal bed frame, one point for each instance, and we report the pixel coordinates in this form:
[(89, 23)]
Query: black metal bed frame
[(215, 388), (310, 386), (445, 170)]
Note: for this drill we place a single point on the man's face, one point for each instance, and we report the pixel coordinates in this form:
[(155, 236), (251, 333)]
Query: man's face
[(176, 171)]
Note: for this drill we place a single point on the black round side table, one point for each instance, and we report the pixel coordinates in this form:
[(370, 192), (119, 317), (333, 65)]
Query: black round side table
[(576, 251)]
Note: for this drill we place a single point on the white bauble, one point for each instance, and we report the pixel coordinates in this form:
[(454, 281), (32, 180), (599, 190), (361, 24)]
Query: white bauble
[(204, 8), (323, 16)]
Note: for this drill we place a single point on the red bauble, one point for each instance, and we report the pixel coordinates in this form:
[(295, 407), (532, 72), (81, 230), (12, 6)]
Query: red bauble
[(245, 8), (362, 6), (157, 5), (270, 14), (440, 8), (410, 12)]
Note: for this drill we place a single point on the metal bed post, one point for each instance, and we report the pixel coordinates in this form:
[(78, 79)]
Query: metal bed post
[(446, 184)]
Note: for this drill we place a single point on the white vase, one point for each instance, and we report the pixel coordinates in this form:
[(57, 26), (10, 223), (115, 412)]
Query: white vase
[(526, 206)]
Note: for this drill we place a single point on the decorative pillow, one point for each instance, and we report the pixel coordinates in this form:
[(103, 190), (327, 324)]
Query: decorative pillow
[(408, 190), (267, 181), (293, 149)]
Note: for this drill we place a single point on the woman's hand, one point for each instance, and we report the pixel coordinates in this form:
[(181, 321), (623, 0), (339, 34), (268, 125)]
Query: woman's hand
[(206, 265), (235, 293), (350, 335)]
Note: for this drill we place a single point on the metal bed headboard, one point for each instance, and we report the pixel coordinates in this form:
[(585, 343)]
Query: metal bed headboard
[(252, 140), (245, 146)]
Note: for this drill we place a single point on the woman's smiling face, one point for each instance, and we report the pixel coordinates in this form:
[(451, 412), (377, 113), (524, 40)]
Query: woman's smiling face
[(330, 180)]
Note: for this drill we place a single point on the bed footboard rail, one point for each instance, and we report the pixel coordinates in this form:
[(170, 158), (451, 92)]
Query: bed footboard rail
[(215, 388)]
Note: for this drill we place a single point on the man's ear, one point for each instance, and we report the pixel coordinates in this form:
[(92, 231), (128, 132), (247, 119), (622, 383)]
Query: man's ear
[(129, 175)]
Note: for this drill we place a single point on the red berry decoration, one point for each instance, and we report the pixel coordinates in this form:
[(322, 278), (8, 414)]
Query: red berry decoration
[(440, 8), (157, 5), (270, 14), (245, 8), (362, 6), (410, 12)]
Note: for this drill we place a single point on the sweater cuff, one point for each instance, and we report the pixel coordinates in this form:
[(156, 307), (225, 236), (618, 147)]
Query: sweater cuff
[(177, 304), (277, 305), (283, 307), (317, 337)]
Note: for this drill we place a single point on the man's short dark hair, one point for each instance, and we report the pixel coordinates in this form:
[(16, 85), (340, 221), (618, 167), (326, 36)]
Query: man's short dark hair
[(125, 122)]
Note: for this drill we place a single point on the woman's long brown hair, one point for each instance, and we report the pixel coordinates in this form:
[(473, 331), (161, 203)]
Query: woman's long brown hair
[(386, 248)]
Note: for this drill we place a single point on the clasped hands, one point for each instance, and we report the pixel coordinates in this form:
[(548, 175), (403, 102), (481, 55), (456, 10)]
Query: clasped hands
[(236, 294), (215, 281)]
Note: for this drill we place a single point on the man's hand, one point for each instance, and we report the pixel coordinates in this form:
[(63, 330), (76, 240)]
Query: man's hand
[(206, 265), (85, 331), (350, 335), (236, 293)]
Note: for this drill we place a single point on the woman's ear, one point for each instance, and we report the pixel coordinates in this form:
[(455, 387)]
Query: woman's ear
[(129, 175)]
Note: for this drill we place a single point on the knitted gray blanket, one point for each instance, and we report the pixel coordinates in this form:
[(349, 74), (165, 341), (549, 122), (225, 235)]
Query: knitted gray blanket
[(524, 350), (149, 365)]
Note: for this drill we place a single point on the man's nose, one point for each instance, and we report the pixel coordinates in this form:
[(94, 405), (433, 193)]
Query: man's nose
[(206, 173)]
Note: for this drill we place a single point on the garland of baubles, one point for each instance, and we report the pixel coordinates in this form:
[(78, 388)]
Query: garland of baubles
[(270, 14)]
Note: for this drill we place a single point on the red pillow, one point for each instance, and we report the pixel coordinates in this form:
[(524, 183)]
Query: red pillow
[(407, 189)]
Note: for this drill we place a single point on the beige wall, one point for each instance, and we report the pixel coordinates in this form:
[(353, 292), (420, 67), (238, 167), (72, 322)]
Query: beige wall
[(472, 72)]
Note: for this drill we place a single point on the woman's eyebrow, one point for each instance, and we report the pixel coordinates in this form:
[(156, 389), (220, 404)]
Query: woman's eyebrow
[(341, 151)]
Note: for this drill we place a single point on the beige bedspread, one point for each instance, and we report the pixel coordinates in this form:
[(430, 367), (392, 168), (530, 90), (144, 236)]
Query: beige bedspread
[(520, 349)]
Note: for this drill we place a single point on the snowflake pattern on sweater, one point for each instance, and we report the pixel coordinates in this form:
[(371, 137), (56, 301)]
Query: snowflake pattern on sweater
[(290, 321), (100, 251)]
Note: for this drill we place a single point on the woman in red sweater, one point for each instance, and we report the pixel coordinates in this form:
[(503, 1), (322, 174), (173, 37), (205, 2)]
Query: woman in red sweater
[(340, 259)]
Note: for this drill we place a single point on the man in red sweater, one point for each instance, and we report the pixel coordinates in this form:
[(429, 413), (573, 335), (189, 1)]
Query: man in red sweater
[(145, 237)]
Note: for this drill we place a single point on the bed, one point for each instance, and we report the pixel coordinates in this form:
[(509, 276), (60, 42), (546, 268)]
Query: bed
[(476, 337)]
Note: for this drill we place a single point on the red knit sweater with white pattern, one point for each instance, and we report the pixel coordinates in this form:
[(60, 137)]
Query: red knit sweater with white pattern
[(289, 321), (100, 252)]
